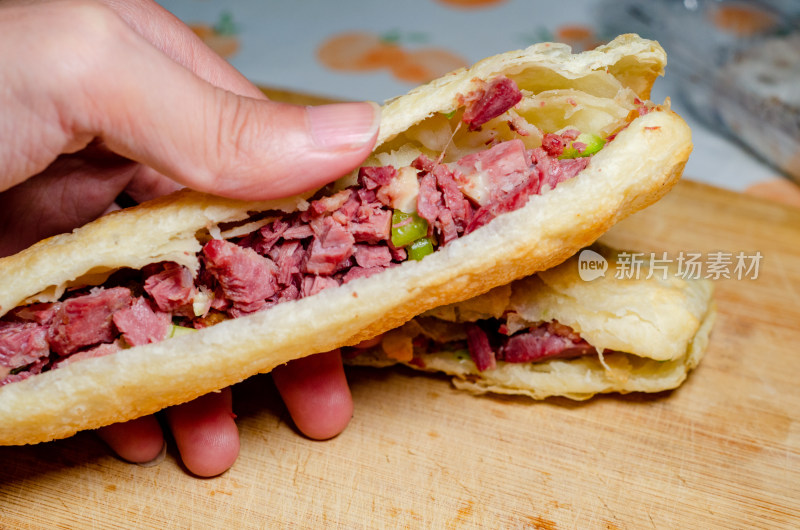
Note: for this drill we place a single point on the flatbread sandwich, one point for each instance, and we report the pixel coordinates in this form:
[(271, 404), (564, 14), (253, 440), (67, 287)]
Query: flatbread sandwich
[(484, 176)]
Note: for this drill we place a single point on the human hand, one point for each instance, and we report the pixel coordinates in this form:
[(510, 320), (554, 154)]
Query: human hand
[(314, 390), (105, 98)]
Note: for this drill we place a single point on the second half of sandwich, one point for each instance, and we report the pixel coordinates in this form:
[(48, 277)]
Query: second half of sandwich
[(561, 333)]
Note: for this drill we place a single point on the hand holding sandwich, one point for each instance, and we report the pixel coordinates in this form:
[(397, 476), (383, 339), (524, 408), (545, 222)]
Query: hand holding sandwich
[(511, 166), (101, 100)]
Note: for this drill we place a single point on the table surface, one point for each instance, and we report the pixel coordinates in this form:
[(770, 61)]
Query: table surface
[(723, 450)]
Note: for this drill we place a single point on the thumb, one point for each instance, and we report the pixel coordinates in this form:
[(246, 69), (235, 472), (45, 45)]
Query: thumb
[(154, 111), (253, 149)]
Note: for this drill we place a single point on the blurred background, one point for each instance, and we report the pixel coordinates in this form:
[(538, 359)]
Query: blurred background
[(733, 71)]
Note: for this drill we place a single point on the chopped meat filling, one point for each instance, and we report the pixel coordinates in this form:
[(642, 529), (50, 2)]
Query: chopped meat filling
[(339, 238), (488, 342)]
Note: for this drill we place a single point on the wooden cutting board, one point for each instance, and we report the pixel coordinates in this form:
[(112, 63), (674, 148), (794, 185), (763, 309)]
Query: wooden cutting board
[(721, 451)]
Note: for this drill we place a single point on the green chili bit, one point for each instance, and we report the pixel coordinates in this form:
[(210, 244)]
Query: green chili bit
[(462, 355), (592, 142), (450, 114), (420, 248), (177, 331), (407, 228)]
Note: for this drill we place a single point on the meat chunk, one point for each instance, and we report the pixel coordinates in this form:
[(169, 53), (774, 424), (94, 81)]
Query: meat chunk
[(423, 163), (542, 343), (288, 256), (314, 284), (7, 377), (298, 231), (509, 202), (497, 97), (171, 288), (40, 313), (246, 278), (487, 176), (429, 200), (374, 177), (479, 348), (267, 236), (553, 171), (332, 245), (21, 344), (140, 324), (87, 320), (371, 256), (98, 351), (372, 224), (360, 272), (331, 203), (553, 144), (546, 173), (455, 204)]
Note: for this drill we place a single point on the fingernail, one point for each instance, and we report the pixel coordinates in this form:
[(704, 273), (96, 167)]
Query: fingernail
[(344, 125), (157, 460)]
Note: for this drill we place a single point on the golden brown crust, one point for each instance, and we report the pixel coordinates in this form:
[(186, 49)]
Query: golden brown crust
[(634, 170)]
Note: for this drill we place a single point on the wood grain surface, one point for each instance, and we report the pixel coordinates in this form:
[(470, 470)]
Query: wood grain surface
[(722, 451)]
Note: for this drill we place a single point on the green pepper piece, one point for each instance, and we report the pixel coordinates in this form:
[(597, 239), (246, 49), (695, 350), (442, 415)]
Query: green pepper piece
[(407, 228), (462, 355), (177, 331), (420, 248), (592, 142), (450, 114)]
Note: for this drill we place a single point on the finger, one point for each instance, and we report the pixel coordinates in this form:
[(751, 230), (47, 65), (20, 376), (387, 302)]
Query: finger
[(71, 192), (151, 110), (316, 394), (216, 141), (238, 147), (176, 40), (167, 33), (138, 441), (205, 433), (148, 184)]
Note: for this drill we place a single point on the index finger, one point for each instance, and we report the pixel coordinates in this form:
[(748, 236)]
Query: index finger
[(177, 41)]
